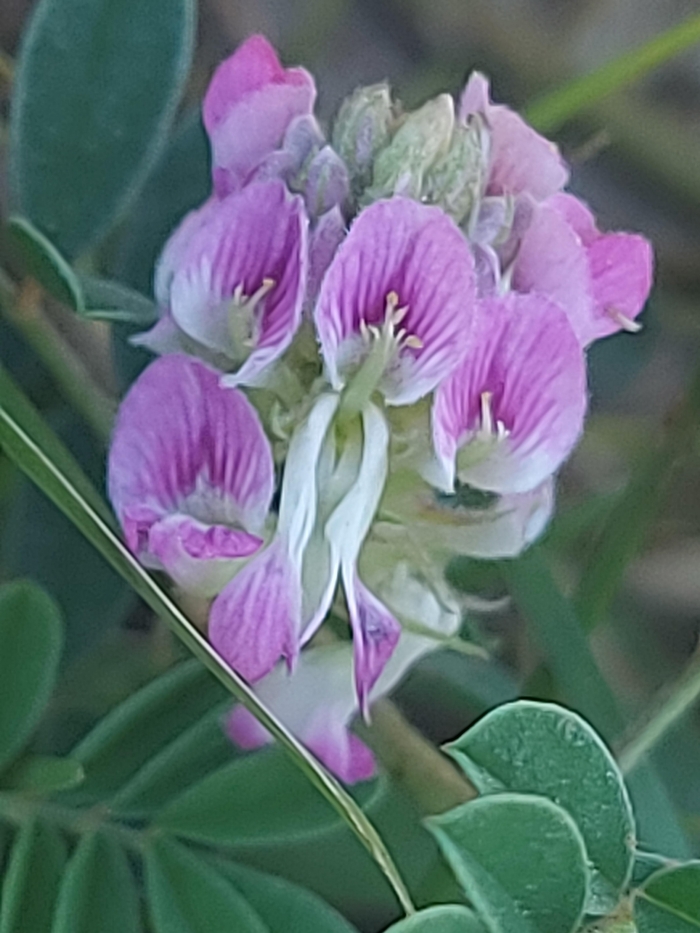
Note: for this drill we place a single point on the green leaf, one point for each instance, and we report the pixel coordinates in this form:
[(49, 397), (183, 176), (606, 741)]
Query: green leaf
[(186, 895), (96, 89), (28, 449), (554, 109), (669, 902), (43, 262), (447, 918), (98, 891), (282, 906), (197, 752), (43, 774), (541, 748), (126, 738), (274, 804), (520, 859), (32, 879), (31, 636), (106, 300)]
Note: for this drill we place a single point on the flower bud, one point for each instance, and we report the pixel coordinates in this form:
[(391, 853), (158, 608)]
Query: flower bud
[(327, 184), (421, 139), (362, 128), (456, 179)]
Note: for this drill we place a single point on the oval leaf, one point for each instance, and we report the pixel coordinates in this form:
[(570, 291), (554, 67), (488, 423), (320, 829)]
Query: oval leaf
[(98, 891), (274, 803), (43, 262), (128, 736), (669, 902), (96, 90), (541, 748), (191, 756), (186, 895), (31, 637), (43, 774), (284, 906), (32, 879), (447, 918), (520, 860)]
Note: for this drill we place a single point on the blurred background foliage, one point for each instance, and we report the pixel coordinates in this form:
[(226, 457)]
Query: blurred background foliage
[(630, 561)]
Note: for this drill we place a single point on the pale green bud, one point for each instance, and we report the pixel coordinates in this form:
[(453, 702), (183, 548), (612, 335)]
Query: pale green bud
[(456, 179), (363, 127), (423, 136)]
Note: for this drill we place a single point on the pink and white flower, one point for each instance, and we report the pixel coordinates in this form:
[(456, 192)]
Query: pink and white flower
[(394, 311), (190, 474), (232, 280), (520, 160), (250, 103), (513, 411)]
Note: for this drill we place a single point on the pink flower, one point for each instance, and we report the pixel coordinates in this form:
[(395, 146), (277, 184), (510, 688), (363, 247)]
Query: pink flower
[(250, 103), (190, 474), (513, 411), (520, 159), (395, 307), (232, 280)]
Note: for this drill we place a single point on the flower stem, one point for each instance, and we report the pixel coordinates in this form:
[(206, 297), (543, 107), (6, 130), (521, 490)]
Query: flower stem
[(671, 705), (413, 763)]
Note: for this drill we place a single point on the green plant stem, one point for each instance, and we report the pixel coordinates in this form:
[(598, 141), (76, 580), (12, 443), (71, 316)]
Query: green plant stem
[(18, 809), (661, 717), (24, 312), (31, 458), (551, 110), (413, 763)]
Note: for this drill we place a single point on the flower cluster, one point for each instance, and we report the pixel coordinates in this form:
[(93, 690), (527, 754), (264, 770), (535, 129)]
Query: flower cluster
[(371, 356)]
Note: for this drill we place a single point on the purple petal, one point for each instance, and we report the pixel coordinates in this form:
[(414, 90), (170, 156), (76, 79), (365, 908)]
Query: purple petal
[(375, 636), (416, 254), (184, 446), (317, 704), (175, 250), (250, 102), (256, 619), (553, 261), (255, 241), (521, 160), (200, 558), (516, 404), (325, 238)]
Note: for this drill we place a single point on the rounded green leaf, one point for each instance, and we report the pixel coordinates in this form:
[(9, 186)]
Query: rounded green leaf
[(447, 918), (187, 895), (96, 89), (520, 860), (43, 262), (98, 891), (32, 879), (132, 733), (197, 752), (286, 907), (541, 748), (274, 803), (43, 774), (31, 637), (669, 902)]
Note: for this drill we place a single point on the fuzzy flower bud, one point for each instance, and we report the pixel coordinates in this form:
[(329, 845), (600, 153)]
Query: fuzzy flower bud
[(362, 129), (456, 180), (423, 136)]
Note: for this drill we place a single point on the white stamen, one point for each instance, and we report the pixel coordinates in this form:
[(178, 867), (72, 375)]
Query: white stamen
[(490, 429), (626, 323)]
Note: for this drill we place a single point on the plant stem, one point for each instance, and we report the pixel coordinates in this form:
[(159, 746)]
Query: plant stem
[(671, 705), (414, 764), (23, 310)]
